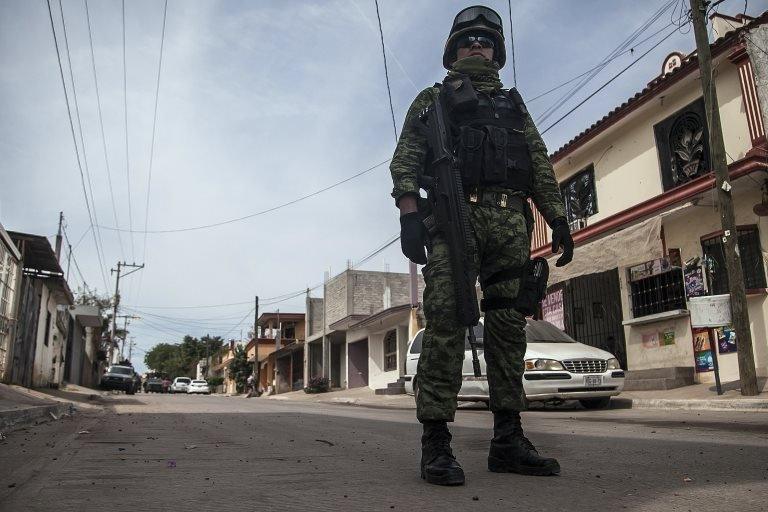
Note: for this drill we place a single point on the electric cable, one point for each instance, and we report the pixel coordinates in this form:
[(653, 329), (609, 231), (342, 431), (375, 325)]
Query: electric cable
[(74, 140), (582, 102), (386, 70), (512, 43), (101, 127), (127, 156), (256, 214)]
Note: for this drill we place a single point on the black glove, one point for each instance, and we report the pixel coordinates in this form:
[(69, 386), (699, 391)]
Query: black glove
[(561, 236), (413, 237)]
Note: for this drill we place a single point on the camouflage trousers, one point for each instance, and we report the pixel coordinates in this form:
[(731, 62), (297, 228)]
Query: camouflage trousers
[(503, 242)]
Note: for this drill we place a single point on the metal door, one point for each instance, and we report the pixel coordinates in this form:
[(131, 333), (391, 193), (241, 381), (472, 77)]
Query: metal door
[(25, 342), (358, 364)]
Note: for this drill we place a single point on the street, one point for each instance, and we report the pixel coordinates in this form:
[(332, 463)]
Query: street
[(177, 452)]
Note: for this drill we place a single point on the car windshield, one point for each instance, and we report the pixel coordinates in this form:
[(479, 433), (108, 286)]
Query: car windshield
[(182, 380), (541, 331), (122, 370)]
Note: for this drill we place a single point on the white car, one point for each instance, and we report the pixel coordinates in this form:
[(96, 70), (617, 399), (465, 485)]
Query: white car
[(199, 386), (180, 385), (557, 368)]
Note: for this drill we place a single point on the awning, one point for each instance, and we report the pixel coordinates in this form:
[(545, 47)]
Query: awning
[(634, 244)]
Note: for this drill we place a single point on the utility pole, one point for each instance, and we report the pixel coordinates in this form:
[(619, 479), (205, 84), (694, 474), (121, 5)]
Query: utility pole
[(256, 363), (116, 302), (126, 318), (130, 347), (739, 312), (58, 236)]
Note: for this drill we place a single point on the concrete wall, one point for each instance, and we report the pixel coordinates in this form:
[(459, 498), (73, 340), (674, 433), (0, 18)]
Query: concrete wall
[(757, 42), (314, 316)]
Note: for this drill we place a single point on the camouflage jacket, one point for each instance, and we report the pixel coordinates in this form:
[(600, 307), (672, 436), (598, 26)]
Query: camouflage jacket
[(411, 153)]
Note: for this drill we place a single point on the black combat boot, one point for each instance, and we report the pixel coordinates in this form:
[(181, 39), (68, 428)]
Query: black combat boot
[(512, 452), (438, 465)]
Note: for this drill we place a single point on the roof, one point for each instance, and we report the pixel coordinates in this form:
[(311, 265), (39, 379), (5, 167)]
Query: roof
[(39, 260), (381, 315), (8, 242), (283, 317), (689, 64)]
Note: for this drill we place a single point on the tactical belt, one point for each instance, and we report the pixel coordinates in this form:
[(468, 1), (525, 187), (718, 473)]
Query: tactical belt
[(504, 200)]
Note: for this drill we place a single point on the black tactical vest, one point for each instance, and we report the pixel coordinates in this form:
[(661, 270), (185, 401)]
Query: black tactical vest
[(490, 143)]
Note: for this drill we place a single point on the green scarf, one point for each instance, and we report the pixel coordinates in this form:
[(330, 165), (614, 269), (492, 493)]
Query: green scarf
[(484, 74)]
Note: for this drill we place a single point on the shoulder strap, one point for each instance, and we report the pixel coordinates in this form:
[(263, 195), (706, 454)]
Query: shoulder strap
[(518, 100)]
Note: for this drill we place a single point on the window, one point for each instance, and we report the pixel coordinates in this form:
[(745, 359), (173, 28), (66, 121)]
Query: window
[(580, 197), (416, 345), (289, 331), (658, 292), (390, 351), (751, 261), (7, 286), (47, 328), (682, 142)]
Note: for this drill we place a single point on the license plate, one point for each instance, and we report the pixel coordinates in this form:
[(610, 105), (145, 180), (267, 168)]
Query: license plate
[(591, 381)]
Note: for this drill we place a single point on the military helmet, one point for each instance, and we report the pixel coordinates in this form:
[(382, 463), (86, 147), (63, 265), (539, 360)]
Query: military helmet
[(474, 19)]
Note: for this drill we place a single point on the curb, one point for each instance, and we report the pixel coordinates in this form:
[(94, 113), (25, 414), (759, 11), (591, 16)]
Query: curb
[(18, 418), (743, 404)]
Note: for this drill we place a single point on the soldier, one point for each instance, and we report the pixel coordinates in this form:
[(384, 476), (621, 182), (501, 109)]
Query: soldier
[(503, 162)]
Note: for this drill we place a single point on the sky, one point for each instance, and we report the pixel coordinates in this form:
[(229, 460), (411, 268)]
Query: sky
[(260, 103)]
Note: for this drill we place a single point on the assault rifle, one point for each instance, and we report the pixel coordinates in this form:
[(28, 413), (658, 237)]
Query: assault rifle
[(450, 216)]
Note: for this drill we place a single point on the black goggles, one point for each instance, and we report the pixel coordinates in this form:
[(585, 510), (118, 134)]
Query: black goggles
[(471, 14), (469, 40)]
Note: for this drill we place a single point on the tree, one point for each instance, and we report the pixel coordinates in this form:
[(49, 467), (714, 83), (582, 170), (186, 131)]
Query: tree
[(180, 359), (239, 368)]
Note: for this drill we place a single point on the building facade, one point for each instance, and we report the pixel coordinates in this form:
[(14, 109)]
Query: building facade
[(639, 193), (10, 276)]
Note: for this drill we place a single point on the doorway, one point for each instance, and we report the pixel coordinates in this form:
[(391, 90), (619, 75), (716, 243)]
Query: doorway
[(358, 364)]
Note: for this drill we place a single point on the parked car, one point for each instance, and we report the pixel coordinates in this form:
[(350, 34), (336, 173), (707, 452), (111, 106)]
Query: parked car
[(136, 382), (557, 368), (119, 378), (166, 385), (153, 385), (180, 385), (199, 386)]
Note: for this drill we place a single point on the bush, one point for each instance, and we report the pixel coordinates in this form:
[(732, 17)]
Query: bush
[(215, 381), (318, 385)]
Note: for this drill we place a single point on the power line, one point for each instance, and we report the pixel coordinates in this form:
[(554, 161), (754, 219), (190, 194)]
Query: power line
[(608, 82), (101, 126), (74, 140), (256, 214), (80, 128), (386, 71), (127, 157), (512, 43)]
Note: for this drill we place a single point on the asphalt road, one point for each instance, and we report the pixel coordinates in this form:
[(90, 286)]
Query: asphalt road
[(196, 453)]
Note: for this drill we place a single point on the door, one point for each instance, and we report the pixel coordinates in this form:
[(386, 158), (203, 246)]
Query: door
[(593, 312), (25, 343), (336, 355), (358, 364)]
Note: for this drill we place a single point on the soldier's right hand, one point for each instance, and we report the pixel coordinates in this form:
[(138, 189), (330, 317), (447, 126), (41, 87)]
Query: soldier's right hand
[(413, 237)]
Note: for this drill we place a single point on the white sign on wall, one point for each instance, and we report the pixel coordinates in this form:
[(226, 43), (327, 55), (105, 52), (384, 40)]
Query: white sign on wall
[(552, 309), (710, 311)]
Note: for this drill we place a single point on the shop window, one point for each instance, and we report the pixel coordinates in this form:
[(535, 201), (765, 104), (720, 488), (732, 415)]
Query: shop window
[(682, 142), (580, 197), (656, 287), (751, 261), (390, 351)]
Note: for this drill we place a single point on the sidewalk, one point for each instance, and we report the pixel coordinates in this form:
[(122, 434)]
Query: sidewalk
[(21, 406), (696, 397)]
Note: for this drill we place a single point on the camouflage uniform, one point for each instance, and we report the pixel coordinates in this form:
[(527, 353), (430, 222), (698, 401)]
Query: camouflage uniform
[(503, 242)]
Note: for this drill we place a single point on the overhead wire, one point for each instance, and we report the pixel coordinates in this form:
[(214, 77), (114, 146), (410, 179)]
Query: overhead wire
[(74, 140), (101, 127), (582, 102), (127, 156), (512, 43), (386, 70), (261, 212)]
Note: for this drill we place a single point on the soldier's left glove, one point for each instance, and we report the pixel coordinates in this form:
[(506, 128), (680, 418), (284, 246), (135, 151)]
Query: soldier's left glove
[(413, 237), (561, 236)]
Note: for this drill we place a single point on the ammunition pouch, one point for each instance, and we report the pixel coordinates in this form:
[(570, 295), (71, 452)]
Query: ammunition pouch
[(470, 153), (460, 96)]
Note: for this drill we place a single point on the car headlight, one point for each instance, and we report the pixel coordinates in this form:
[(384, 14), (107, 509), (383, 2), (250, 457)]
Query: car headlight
[(613, 364), (540, 365)]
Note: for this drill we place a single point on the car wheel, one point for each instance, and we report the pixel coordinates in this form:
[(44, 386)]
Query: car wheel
[(595, 403)]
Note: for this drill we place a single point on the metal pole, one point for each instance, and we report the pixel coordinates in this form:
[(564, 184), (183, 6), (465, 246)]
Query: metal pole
[(739, 311), (114, 313)]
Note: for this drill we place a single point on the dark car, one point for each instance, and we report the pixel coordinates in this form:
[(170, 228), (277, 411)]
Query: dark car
[(119, 378), (136, 382), (154, 385)]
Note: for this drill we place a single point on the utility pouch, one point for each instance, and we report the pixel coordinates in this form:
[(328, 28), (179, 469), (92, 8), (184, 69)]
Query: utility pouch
[(533, 286), (460, 96), (495, 155), (470, 152)]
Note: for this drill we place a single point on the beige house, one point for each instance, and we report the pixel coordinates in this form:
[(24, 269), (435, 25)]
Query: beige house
[(640, 197)]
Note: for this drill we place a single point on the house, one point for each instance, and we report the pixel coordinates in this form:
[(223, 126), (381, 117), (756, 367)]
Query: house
[(43, 319), (280, 351), (358, 332), (639, 194), (10, 270)]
